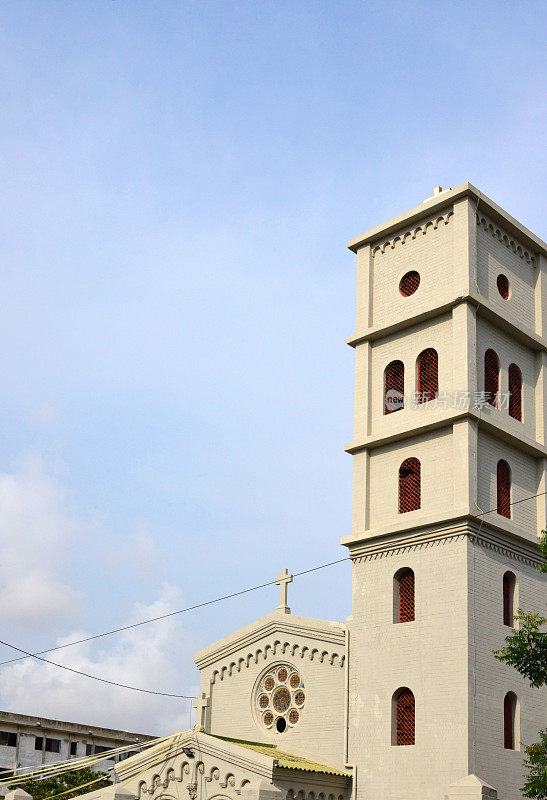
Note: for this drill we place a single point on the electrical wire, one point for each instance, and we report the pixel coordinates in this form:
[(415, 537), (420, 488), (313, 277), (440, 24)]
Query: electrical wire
[(181, 611), (172, 740), (95, 677), (58, 767), (169, 614)]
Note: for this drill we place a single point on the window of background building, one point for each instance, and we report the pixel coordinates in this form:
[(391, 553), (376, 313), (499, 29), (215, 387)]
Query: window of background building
[(53, 746), (38, 742), (73, 748), (8, 738)]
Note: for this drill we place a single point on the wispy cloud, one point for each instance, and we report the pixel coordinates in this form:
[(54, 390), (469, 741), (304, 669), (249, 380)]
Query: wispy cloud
[(156, 657), (34, 527)]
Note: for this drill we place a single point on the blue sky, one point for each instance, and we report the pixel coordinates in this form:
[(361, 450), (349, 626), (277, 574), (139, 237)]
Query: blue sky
[(180, 180)]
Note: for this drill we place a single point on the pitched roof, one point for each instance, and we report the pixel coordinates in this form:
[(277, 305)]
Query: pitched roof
[(283, 759)]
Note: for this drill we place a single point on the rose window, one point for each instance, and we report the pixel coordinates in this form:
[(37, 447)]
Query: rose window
[(279, 698)]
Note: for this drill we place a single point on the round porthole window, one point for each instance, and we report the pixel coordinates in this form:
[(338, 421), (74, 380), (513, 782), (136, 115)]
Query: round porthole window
[(279, 698), (503, 286), (409, 283)]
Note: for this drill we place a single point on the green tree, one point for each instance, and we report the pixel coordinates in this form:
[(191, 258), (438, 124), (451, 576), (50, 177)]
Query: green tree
[(73, 782), (526, 650)]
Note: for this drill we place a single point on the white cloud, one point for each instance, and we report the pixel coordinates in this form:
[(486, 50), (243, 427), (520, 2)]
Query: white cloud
[(155, 656), (35, 528), (34, 525)]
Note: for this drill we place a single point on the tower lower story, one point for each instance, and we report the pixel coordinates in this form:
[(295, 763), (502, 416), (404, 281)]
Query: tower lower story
[(443, 655)]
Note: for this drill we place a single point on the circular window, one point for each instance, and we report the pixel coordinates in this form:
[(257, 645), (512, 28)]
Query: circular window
[(409, 283), (503, 286), (279, 698), (299, 698)]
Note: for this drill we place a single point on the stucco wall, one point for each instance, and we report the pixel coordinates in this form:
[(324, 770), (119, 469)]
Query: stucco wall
[(426, 248), (231, 681), (500, 767), (495, 257), (429, 656)]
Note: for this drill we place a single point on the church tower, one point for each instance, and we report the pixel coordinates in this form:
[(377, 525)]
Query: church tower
[(450, 458)]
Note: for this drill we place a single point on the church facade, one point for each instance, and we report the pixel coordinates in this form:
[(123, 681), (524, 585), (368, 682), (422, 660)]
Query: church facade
[(404, 700)]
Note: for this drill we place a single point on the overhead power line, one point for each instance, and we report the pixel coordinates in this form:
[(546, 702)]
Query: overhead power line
[(94, 677), (165, 616), (38, 654)]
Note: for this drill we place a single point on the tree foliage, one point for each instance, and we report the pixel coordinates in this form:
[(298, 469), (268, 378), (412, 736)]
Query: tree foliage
[(536, 765), (74, 780), (526, 650), (542, 543)]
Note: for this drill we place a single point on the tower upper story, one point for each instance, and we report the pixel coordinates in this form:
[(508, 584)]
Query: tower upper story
[(451, 335)]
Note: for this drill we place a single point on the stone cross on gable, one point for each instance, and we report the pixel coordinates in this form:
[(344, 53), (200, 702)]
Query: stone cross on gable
[(283, 581), (201, 704)]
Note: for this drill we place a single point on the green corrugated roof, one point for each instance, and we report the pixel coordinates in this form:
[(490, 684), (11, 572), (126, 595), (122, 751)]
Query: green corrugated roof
[(285, 760)]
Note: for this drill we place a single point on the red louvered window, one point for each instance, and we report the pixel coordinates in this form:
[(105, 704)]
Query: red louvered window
[(504, 489), (509, 708), (427, 375), (406, 596), (503, 286), (394, 387), (515, 392), (409, 485), (491, 377), (508, 595), (405, 717), (409, 283)]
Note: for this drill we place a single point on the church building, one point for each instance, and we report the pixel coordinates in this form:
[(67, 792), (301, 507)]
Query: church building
[(404, 700)]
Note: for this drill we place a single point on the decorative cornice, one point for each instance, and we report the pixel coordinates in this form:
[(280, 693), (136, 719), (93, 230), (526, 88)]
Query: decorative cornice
[(280, 648), (502, 237), (273, 625), (413, 232), (305, 794), (388, 546), (438, 204)]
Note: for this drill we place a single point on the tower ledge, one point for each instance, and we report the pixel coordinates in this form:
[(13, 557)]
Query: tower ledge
[(447, 198)]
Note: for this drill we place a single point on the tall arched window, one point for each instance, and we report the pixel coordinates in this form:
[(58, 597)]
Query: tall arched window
[(409, 485), (510, 721), (515, 392), (427, 375), (491, 377), (403, 717), (509, 586), (394, 387), (504, 489), (403, 586)]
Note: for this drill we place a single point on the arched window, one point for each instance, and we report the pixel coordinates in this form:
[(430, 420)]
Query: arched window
[(515, 392), (403, 718), (427, 375), (409, 485), (394, 387), (504, 489), (509, 586), (491, 377), (403, 587), (510, 721)]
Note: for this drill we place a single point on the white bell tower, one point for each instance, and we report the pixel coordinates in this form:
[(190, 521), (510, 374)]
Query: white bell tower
[(449, 444)]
